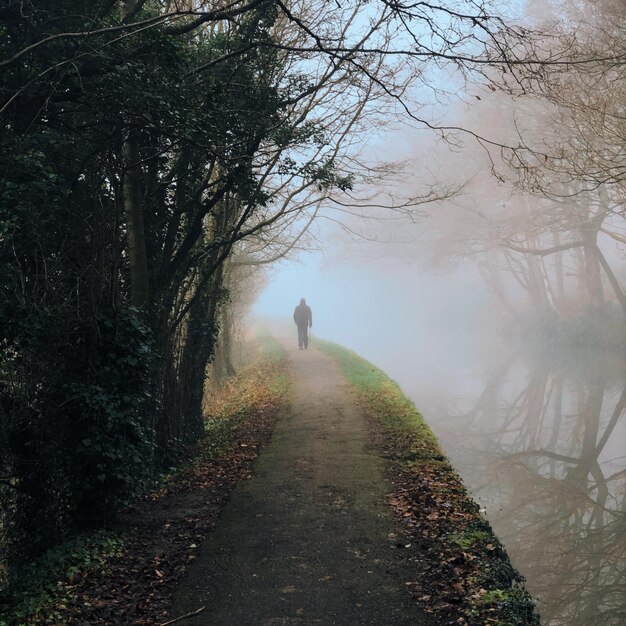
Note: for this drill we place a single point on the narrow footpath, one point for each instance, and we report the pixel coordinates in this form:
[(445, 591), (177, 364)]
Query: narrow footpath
[(309, 538)]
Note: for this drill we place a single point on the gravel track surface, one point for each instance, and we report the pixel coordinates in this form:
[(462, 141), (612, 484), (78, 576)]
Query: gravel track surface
[(309, 538)]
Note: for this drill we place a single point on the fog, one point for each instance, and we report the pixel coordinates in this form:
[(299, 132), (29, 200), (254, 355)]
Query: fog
[(496, 299), (403, 318), (499, 314), (533, 432), (444, 183)]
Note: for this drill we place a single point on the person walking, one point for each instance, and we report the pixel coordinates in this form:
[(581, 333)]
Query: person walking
[(303, 317)]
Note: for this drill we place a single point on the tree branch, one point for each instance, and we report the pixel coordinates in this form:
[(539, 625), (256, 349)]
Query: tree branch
[(544, 251)]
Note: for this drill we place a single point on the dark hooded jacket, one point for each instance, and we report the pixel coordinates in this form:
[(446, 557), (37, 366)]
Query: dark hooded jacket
[(302, 314)]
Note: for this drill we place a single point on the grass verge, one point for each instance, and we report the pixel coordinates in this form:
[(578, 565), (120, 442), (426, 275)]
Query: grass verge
[(464, 575), (128, 575)]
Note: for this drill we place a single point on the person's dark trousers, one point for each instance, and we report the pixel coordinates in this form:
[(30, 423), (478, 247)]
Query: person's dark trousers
[(303, 336)]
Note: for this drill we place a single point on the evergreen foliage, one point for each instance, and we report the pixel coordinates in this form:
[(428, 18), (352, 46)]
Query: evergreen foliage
[(127, 177)]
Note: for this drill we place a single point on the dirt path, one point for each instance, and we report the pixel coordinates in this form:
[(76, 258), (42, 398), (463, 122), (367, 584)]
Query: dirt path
[(309, 539)]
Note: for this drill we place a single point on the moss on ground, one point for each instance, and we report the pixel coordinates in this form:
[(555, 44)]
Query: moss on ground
[(464, 572)]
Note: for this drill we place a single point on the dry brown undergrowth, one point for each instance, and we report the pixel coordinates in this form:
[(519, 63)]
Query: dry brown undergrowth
[(163, 529)]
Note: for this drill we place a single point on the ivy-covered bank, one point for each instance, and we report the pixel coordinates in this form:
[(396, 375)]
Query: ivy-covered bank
[(462, 572), (126, 575)]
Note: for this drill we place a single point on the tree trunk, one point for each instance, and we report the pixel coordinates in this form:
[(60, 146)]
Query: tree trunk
[(225, 340), (594, 293), (137, 255), (611, 278), (135, 233), (558, 270), (536, 284)]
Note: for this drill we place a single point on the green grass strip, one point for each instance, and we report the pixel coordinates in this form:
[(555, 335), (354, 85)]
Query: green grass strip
[(386, 401), (494, 591)]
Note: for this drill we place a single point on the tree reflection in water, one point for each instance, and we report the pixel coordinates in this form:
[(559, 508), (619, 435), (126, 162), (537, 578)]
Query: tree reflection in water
[(543, 449)]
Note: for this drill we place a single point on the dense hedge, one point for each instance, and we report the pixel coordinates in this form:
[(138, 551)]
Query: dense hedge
[(97, 394)]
